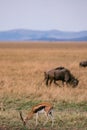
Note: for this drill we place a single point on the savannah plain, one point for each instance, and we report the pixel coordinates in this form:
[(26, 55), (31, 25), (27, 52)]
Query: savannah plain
[(22, 67)]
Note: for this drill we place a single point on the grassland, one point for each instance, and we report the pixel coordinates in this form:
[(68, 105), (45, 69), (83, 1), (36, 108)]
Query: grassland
[(22, 67)]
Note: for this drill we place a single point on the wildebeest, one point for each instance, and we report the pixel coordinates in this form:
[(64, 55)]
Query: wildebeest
[(61, 74), (83, 64)]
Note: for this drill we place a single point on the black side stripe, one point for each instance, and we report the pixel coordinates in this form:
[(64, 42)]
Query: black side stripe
[(38, 109)]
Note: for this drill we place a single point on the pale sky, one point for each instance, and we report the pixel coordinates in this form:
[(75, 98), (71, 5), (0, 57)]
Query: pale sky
[(64, 15)]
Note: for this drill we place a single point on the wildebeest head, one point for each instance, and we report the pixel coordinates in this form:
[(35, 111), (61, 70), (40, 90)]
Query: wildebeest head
[(83, 64), (74, 82)]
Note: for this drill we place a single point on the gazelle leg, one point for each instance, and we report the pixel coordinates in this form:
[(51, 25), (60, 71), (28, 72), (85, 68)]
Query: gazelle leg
[(52, 117), (46, 119), (37, 118)]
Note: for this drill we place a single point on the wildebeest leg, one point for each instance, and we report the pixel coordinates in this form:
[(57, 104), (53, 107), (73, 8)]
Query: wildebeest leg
[(67, 84), (51, 80), (47, 80), (56, 83), (63, 83)]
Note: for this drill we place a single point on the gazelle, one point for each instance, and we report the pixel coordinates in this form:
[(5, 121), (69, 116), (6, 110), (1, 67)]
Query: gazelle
[(45, 108)]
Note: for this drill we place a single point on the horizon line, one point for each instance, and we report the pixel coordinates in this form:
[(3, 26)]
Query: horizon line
[(15, 29)]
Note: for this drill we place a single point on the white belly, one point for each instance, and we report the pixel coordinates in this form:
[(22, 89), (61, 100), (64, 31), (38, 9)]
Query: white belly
[(41, 111)]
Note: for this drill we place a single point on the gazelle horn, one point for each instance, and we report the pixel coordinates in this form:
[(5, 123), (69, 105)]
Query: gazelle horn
[(22, 118)]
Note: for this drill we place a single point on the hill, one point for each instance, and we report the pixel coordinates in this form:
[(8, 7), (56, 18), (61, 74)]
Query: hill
[(36, 35)]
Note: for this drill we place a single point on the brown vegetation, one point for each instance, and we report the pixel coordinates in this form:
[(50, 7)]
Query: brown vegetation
[(22, 67)]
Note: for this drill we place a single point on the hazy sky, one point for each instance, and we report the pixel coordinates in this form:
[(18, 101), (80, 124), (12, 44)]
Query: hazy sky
[(66, 15)]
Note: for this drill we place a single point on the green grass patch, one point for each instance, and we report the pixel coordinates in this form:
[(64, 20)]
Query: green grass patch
[(68, 115), (64, 106)]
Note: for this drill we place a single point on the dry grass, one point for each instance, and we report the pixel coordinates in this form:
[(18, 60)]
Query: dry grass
[(22, 67)]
